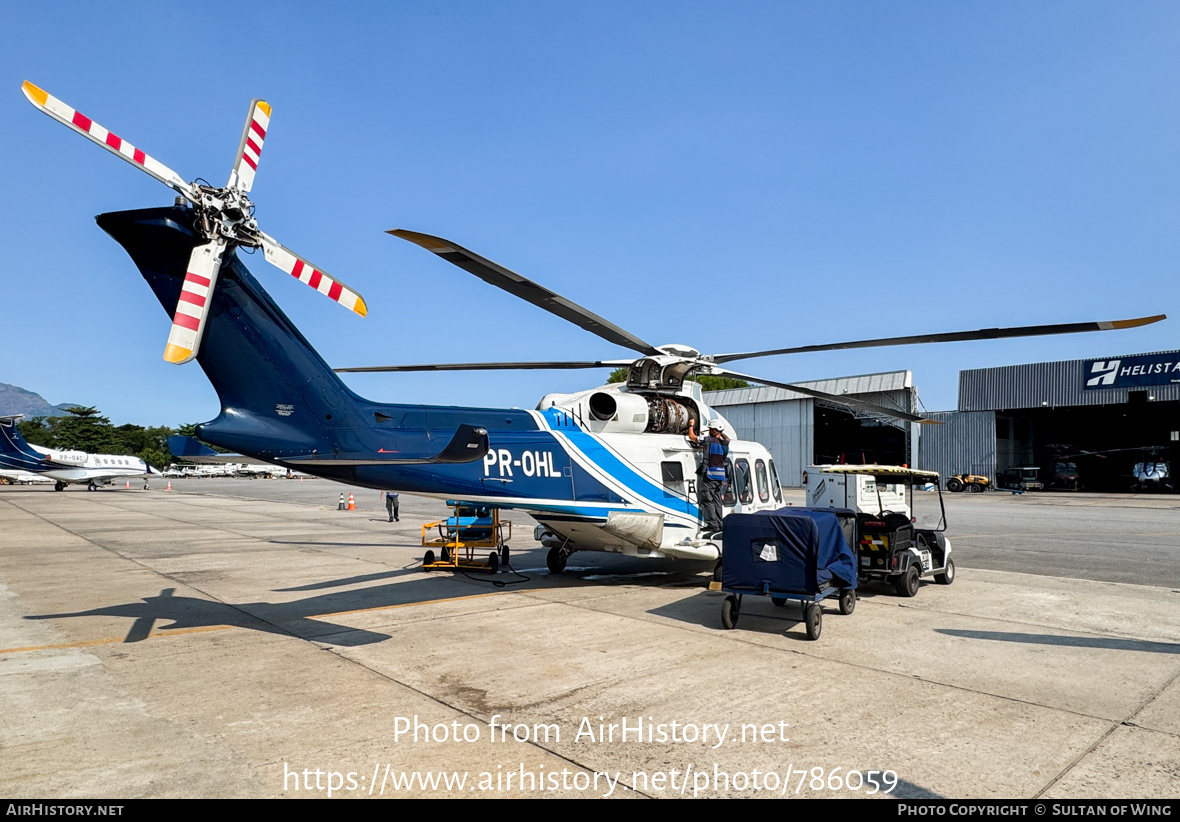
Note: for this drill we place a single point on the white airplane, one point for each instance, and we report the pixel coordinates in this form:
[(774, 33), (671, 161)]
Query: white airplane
[(18, 458)]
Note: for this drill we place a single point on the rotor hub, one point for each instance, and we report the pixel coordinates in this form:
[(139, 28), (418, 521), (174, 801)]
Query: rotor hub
[(226, 213)]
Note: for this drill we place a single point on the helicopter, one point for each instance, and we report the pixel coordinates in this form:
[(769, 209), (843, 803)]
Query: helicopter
[(607, 469)]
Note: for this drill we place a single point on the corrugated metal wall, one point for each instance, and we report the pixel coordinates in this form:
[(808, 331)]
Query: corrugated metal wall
[(784, 421), (964, 443), (1045, 384)]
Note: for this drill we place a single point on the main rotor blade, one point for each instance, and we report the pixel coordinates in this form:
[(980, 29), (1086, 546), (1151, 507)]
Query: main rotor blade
[(91, 130), (841, 400), (955, 336), (526, 289), (284, 258), (486, 366), (250, 148), (188, 323)]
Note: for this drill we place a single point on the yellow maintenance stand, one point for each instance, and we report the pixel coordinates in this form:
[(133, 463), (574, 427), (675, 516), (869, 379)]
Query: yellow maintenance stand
[(457, 538)]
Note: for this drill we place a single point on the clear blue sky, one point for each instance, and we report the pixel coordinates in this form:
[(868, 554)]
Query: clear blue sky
[(733, 176)]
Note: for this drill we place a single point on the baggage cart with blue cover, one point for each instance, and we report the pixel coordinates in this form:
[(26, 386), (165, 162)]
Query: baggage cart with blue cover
[(789, 554)]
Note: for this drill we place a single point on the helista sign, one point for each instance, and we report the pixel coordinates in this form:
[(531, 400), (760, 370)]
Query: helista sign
[(1127, 372)]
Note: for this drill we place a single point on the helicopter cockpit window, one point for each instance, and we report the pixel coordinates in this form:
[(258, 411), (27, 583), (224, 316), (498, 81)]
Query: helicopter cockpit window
[(763, 483), (729, 499), (775, 485), (745, 488)]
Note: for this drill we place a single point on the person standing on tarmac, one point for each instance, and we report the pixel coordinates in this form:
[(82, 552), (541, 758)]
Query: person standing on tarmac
[(391, 505), (712, 473)]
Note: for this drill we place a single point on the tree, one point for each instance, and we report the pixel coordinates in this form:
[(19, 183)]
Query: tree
[(36, 431), (707, 381), (83, 430)]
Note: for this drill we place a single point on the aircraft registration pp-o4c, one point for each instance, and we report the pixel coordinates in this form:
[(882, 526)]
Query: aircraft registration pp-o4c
[(18, 460), (607, 469)]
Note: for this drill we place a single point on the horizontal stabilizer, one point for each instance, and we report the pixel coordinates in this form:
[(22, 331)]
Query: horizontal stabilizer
[(467, 445), (193, 450)]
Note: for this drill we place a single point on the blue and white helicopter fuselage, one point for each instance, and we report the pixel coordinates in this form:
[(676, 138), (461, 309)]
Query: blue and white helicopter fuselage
[(609, 469)]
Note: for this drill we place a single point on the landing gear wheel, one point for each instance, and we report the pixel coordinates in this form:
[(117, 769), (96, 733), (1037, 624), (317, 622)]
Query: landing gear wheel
[(778, 601), (814, 619), (59, 486), (847, 601), (91, 486), (428, 558), (948, 573), (730, 611), (555, 561), (494, 562), (974, 488), (954, 485), (907, 585)]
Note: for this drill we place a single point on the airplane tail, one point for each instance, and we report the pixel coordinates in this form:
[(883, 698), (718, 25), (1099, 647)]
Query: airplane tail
[(15, 452), (279, 399)]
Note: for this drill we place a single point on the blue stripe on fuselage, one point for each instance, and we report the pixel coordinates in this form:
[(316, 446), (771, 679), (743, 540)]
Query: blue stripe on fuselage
[(599, 454)]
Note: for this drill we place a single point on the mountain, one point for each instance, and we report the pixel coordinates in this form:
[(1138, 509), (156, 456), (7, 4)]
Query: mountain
[(17, 400)]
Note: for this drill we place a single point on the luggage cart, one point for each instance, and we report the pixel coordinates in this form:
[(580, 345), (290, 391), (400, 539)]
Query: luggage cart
[(789, 554), (460, 536)]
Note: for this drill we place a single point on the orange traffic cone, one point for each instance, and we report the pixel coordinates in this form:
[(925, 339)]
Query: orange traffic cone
[(128, 483), (351, 503), (169, 488)]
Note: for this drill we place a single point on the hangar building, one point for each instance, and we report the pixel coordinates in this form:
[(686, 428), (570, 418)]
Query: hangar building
[(1099, 416), (800, 430)]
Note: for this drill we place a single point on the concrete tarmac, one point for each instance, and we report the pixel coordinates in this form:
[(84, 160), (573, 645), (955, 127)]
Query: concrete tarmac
[(236, 638)]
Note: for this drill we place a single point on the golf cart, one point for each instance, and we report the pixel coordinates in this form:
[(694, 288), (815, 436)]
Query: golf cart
[(892, 547)]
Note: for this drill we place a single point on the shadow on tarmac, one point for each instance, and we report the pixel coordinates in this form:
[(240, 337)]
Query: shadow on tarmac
[(1106, 643)]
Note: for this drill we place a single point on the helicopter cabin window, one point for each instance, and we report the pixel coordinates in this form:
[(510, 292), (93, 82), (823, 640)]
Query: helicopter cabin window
[(775, 485), (763, 484), (745, 488), (671, 471), (729, 499)]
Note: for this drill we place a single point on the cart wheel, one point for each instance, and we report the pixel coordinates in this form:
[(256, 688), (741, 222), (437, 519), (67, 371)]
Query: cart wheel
[(429, 558), (779, 601), (948, 573), (730, 611), (907, 585), (494, 562), (555, 561), (847, 601), (504, 555), (814, 617)]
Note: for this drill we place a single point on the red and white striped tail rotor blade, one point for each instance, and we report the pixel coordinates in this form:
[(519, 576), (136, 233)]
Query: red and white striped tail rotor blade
[(188, 323), (282, 257), (250, 149), (82, 124)]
